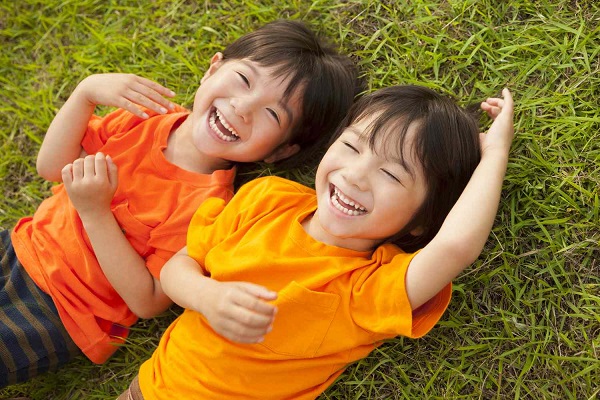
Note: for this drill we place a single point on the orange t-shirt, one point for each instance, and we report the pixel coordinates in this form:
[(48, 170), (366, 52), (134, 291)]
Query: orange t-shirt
[(153, 204), (335, 305)]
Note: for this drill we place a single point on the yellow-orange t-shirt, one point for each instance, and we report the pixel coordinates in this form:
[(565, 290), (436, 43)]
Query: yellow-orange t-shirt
[(153, 204), (335, 305)]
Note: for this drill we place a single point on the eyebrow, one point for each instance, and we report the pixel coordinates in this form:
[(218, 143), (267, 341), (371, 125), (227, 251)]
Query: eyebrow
[(398, 160), (283, 105)]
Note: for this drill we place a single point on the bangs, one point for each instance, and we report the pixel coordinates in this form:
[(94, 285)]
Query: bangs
[(293, 56), (387, 134), (282, 64)]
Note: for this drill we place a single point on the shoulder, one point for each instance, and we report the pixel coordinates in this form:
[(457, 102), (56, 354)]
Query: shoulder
[(153, 114), (272, 185), (122, 120), (388, 251), (155, 118), (269, 193)]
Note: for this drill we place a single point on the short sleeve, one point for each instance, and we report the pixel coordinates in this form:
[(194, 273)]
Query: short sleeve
[(99, 129), (380, 302), (214, 221), (202, 236), (426, 316), (170, 244)]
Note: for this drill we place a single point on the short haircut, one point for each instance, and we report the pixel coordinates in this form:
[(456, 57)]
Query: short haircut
[(446, 145), (327, 81)]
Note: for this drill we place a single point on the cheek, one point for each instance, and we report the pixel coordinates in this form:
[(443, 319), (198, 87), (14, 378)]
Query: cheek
[(323, 169), (197, 98), (327, 164), (321, 183), (271, 136)]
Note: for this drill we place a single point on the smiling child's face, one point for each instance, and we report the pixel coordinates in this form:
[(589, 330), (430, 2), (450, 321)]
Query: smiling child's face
[(240, 113), (365, 196)]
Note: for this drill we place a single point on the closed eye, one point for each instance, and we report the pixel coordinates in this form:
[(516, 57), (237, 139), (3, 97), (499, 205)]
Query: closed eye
[(246, 81), (350, 146), (274, 115), (391, 176)]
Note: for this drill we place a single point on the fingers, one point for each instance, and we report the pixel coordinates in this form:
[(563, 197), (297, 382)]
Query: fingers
[(144, 92), (258, 291), (113, 172), (246, 316), (98, 165), (93, 165), (507, 97), (157, 87), (127, 91), (105, 169), (78, 169), (252, 297), (493, 106), (250, 318), (235, 330), (251, 310), (67, 175), (89, 166)]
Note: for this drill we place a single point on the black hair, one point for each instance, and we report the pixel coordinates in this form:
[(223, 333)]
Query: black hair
[(327, 80), (446, 145)]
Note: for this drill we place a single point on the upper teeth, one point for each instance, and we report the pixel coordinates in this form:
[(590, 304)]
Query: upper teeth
[(358, 209), (213, 125)]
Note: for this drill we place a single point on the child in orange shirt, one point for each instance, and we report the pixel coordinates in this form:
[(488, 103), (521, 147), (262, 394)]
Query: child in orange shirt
[(285, 286), (79, 272)]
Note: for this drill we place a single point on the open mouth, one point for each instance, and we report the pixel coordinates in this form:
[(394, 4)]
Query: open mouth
[(221, 127), (345, 204)]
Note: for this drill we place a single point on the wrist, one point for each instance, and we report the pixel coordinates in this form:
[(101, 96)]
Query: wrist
[(95, 214), (498, 154), (81, 93), (208, 288)]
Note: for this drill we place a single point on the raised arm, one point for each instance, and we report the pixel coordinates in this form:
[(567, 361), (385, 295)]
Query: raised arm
[(467, 227), (236, 310), (62, 143)]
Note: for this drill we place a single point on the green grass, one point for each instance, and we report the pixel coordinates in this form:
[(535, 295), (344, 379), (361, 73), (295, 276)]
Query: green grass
[(525, 319)]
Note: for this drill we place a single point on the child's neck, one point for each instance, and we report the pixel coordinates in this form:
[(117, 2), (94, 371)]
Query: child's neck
[(182, 151), (313, 228)]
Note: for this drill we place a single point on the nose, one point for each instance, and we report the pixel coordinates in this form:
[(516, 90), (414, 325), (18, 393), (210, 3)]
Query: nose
[(357, 174), (242, 107)]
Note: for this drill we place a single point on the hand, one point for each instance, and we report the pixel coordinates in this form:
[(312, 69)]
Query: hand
[(501, 132), (127, 91), (239, 311), (91, 183)]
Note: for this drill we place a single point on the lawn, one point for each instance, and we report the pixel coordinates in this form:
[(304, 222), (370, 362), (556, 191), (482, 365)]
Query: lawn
[(524, 321)]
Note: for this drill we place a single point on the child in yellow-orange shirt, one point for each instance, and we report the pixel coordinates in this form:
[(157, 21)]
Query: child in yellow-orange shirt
[(285, 285)]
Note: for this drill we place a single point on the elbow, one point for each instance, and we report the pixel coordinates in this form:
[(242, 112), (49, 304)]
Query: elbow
[(465, 252), (147, 312), (42, 169), (47, 172), (151, 307)]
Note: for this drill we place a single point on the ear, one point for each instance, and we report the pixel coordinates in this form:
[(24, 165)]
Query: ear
[(215, 63), (282, 152)]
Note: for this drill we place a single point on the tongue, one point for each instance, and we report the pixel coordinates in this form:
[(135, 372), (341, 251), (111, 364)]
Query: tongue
[(222, 128), (344, 204)]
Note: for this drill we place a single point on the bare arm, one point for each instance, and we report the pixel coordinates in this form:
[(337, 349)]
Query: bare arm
[(466, 228), (90, 184), (62, 143), (235, 310)]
